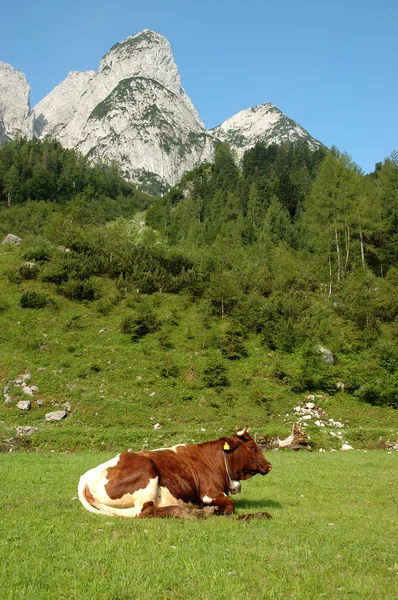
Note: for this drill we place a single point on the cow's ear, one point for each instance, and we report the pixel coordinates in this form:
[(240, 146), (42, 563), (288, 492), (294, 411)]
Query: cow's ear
[(229, 444)]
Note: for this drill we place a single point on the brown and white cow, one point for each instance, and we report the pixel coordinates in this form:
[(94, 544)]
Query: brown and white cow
[(187, 480)]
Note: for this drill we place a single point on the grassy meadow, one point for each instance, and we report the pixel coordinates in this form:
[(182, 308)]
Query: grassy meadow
[(333, 535), (334, 527)]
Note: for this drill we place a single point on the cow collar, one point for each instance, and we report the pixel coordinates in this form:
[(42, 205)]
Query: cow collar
[(234, 485)]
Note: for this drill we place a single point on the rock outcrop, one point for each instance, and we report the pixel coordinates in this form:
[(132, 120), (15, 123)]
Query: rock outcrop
[(15, 114)]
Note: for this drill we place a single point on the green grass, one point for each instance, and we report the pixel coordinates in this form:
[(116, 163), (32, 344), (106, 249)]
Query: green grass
[(118, 390), (333, 535)]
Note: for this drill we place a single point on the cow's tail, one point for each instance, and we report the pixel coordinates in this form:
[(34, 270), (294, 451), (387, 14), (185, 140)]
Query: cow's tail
[(91, 504), (86, 497)]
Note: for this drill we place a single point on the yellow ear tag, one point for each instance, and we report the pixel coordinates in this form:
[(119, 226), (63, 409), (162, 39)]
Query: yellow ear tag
[(226, 446)]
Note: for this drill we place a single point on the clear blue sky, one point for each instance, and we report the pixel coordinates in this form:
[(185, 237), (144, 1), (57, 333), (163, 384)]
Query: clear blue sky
[(330, 66)]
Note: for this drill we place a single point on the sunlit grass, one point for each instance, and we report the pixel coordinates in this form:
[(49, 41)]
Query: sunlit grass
[(333, 535)]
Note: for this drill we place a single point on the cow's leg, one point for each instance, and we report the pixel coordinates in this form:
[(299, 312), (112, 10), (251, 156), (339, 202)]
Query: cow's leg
[(223, 504), (150, 510)]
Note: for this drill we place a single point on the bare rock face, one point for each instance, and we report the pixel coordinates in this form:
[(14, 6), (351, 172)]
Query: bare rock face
[(55, 111), (263, 123), (132, 110), (15, 114)]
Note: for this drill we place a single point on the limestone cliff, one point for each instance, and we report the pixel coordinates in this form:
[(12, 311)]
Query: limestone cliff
[(15, 115)]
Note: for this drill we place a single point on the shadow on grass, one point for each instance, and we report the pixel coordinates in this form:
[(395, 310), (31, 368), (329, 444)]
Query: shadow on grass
[(258, 504)]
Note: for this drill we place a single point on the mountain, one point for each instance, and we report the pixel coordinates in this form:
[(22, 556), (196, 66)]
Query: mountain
[(263, 123), (15, 113), (134, 111)]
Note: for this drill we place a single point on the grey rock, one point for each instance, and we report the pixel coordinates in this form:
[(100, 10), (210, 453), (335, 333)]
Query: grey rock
[(57, 415), (22, 378), (29, 390), (67, 406), (327, 355), (12, 239), (15, 113), (26, 430), (7, 398), (24, 405)]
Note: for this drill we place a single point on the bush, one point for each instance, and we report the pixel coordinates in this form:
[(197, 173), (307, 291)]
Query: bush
[(33, 300), (169, 370), (215, 374), (232, 342), (139, 325), (28, 271), (54, 272), (76, 289), (41, 252)]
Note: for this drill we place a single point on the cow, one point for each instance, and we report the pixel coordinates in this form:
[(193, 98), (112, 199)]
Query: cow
[(186, 480)]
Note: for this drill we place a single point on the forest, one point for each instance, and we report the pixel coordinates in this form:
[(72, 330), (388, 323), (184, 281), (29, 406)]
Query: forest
[(294, 247)]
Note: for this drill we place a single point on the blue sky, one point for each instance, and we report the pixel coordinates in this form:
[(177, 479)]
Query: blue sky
[(330, 66)]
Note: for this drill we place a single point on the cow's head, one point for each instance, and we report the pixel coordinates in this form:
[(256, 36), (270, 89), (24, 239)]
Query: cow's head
[(244, 456)]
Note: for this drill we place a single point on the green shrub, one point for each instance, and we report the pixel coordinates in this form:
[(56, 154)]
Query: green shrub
[(28, 271), (169, 370), (165, 339), (232, 342), (41, 252), (54, 272), (143, 322), (215, 374), (76, 289), (33, 300)]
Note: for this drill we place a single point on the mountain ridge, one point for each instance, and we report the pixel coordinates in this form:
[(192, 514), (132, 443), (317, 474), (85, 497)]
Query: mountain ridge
[(133, 110)]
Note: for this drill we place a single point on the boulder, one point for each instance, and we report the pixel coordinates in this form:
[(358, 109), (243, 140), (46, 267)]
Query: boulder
[(26, 430), (57, 415), (12, 239), (22, 378), (24, 405), (346, 446), (327, 355)]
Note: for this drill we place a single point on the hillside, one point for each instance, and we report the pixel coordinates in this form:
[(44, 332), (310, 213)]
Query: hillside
[(223, 304)]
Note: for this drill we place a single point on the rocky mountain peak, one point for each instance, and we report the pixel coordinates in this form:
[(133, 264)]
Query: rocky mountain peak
[(134, 111), (145, 53), (261, 123), (14, 103)]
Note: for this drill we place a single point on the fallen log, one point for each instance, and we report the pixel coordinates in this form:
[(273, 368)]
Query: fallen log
[(295, 441)]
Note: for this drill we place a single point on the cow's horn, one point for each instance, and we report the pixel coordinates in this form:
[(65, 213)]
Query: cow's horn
[(242, 432)]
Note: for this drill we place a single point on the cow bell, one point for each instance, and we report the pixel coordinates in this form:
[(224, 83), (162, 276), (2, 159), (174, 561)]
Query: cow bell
[(234, 487)]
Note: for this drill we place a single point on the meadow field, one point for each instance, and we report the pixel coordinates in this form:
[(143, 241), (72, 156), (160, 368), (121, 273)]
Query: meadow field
[(333, 535)]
